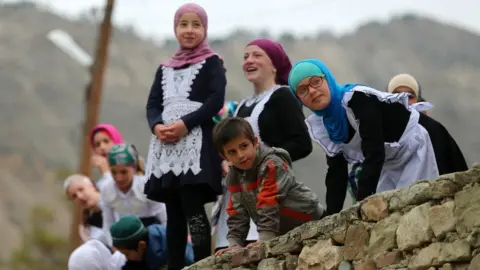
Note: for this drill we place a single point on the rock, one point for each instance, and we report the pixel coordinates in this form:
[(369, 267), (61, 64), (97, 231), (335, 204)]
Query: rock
[(338, 237), (457, 251), (437, 254), (412, 195), (271, 264), (291, 262), (446, 266), (356, 242), (383, 235), (467, 209), (468, 177), (247, 255), (426, 257), (365, 265), (374, 209), (474, 238), (239, 257), (205, 264), (325, 226), (414, 228), (351, 214), (288, 243), (442, 219), (475, 263), (388, 259), (461, 266), (323, 255), (310, 230), (443, 188)]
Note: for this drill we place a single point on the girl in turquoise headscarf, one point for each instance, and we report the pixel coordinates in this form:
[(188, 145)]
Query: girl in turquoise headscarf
[(354, 123)]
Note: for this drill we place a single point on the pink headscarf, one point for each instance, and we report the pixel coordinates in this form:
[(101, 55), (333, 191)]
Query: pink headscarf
[(111, 130), (185, 56)]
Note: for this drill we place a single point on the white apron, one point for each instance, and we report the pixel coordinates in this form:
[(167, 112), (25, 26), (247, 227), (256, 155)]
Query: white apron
[(184, 155), (222, 228), (410, 159)]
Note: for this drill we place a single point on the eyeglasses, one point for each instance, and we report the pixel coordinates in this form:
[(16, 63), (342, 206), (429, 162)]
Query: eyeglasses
[(314, 82)]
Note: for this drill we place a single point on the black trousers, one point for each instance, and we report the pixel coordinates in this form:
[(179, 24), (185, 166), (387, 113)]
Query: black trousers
[(185, 207)]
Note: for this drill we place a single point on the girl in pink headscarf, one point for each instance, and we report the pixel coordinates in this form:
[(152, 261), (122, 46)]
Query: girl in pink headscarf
[(183, 167), (102, 138)]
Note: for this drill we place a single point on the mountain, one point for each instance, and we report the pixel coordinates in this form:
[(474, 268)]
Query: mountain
[(42, 92)]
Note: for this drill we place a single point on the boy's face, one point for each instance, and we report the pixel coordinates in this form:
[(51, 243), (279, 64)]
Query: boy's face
[(134, 255), (241, 152)]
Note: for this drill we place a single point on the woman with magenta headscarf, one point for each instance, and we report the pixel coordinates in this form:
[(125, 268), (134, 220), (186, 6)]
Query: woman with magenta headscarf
[(355, 123)]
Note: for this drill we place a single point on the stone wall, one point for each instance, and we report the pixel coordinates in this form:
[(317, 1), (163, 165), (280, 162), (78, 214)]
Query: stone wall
[(429, 225)]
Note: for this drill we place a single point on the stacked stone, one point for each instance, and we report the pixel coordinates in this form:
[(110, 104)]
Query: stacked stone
[(429, 225)]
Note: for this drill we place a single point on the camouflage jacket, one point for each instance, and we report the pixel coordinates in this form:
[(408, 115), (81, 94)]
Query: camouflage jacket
[(269, 194)]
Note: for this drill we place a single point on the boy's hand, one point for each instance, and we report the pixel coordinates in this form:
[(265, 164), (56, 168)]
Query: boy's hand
[(225, 250)]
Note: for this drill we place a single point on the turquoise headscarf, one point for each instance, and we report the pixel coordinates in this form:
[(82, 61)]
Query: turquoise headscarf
[(123, 154), (334, 115)]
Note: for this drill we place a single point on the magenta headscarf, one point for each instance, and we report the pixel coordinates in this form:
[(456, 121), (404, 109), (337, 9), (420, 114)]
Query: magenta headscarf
[(278, 56), (185, 56), (111, 130)]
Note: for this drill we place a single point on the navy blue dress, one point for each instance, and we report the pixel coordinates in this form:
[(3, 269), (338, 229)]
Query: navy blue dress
[(193, 93)]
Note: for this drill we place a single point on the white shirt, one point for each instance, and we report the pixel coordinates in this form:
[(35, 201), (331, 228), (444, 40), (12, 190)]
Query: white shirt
[(94, 255), (115, 203)]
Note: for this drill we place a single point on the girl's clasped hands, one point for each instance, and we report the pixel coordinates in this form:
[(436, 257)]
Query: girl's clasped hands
[(171, 133)]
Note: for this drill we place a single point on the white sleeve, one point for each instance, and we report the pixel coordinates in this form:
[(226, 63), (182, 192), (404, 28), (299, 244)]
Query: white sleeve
[(103, 180)]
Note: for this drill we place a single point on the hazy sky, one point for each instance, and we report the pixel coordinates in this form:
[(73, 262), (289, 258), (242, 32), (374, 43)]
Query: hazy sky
[(155, 17)]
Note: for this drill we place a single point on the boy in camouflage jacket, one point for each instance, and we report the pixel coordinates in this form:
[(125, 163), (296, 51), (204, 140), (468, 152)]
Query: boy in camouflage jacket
[(262, 185)]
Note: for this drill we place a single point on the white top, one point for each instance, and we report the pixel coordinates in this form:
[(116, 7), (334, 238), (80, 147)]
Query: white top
[(104, 179), (352, 150), (115, 204), (94, 255)]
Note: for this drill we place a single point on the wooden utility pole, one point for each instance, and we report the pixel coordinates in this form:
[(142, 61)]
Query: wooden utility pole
[(92, 108)]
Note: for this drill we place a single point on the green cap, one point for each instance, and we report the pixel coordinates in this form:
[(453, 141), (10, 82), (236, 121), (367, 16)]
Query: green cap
[(122, 154), (127, 232)]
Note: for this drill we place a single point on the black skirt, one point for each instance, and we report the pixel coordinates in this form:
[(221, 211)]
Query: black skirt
[(160, 189), (208, 181)]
